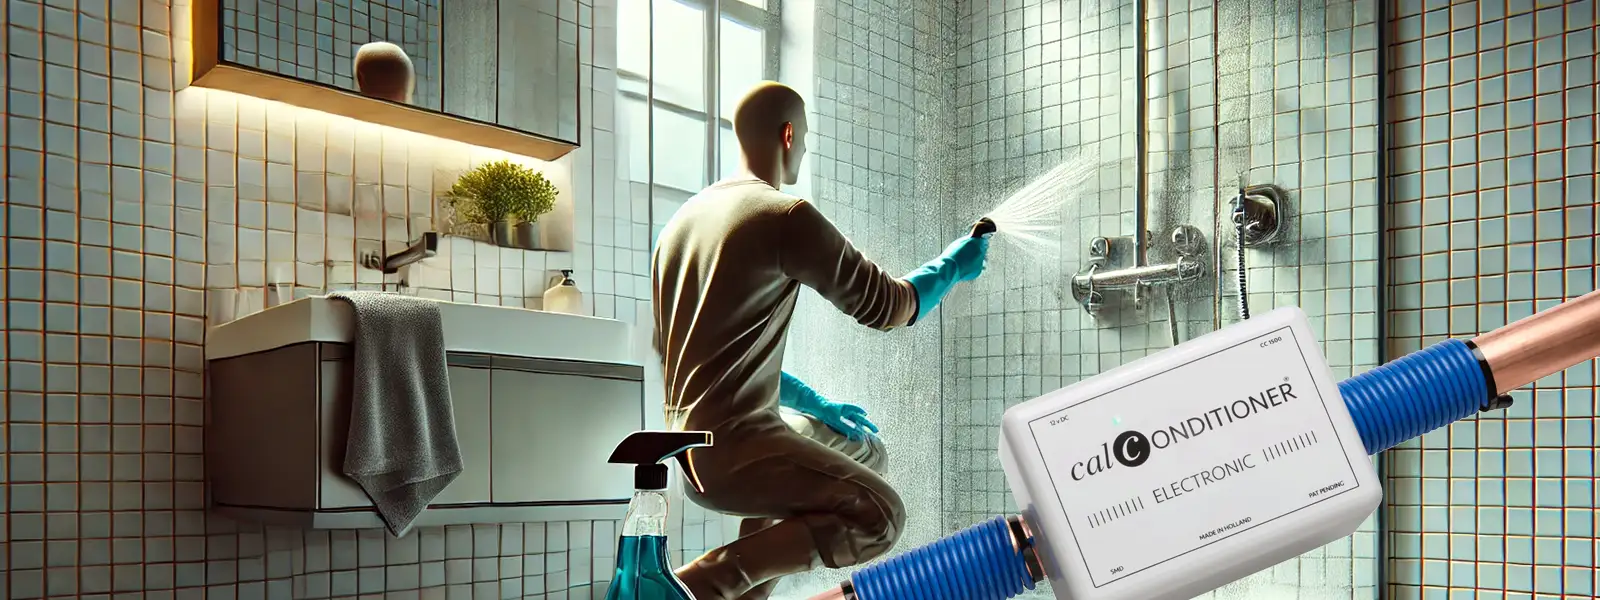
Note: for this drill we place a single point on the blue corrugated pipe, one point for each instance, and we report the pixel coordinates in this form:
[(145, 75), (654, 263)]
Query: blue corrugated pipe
[(1406, 398), (977, 563)]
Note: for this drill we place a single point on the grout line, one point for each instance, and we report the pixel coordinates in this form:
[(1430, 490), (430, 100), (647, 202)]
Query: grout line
[(1382, 516)]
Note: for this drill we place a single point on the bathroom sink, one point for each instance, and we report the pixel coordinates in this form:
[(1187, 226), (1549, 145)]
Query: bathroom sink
[(468, 328)]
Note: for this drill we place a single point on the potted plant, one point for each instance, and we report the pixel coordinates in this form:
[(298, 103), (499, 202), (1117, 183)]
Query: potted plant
[(539, 198), (497, 192)]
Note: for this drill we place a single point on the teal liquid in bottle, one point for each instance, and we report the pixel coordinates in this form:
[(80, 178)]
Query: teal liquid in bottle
[(643, 572), (642, 569)]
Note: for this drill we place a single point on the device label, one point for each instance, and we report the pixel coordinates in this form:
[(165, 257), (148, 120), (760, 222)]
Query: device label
[(1197, 453)]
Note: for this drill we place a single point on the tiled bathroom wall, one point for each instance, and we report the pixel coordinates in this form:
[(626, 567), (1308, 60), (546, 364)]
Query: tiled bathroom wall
[(1287, 97), (1493, 218), (135, 215)]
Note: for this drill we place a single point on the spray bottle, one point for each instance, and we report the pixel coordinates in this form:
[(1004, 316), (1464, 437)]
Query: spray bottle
[(1179, 473), (643, 572)]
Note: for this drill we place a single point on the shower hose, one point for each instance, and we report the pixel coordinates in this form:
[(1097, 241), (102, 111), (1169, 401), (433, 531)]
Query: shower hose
[(1393, 403), (1239, 226)]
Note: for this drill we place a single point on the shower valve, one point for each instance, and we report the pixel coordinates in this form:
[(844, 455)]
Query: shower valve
[(1089, 286)]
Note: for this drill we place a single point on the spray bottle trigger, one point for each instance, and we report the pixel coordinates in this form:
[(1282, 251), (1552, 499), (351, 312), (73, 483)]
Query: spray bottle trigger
[(647, 449)]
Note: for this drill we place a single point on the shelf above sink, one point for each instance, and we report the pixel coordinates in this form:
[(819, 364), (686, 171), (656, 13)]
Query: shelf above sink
[(468, 328)]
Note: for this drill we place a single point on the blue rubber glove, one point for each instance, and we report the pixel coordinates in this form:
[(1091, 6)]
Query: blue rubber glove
[(962, 260), (847, 419)]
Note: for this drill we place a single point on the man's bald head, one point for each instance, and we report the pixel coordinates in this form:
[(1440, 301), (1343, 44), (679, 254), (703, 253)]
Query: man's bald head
[(384, 71), (770, 123)]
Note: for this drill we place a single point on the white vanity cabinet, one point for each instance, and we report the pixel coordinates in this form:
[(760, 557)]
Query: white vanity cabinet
[(536, 417)]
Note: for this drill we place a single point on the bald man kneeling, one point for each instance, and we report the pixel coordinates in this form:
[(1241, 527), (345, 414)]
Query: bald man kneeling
[(726, 273)]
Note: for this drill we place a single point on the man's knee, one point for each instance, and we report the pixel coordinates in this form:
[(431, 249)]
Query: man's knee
[(869, 451), (877, 517)]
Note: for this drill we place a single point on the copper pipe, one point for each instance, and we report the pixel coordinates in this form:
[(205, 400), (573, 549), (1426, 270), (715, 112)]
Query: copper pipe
[(1544, 343), (1031, 554), (1019, 533), (837, 593)]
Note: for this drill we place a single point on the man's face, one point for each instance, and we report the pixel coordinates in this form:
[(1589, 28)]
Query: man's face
[(796, 152)]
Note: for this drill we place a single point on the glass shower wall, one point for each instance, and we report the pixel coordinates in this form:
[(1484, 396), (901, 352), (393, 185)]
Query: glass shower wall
[(878, 168), (1326, 155), (1279, 92), (924, 114), (1036, 82), (876, 76)]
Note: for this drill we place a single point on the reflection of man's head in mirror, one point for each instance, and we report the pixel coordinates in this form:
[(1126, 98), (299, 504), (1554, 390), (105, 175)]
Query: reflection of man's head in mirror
[(384, 71)]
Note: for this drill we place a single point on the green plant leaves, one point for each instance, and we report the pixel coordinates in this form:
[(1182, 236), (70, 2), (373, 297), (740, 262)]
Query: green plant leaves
[(500, 191)]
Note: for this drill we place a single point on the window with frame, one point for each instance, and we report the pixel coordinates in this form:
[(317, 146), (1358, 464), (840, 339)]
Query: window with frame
[(679, 107)]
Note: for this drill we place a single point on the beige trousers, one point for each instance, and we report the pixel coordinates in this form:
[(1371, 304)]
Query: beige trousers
[(869, 452), (810, 498)]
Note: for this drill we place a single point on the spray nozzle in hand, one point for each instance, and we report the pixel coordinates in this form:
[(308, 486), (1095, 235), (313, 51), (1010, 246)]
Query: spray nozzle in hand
[(963, 260), (984, 227)]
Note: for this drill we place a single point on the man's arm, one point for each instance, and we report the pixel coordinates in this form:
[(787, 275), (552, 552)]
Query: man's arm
[(814, 252)]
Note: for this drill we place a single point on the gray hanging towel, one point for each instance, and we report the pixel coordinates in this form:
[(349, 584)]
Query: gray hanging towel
[(402, 446)]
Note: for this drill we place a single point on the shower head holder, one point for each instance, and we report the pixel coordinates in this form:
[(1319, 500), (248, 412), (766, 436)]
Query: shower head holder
[(1260, 209)]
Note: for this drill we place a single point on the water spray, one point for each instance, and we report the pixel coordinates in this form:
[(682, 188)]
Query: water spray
[(1034, 214), (1198, 466)]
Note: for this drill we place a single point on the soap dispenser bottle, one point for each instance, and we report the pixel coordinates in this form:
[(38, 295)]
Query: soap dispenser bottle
[(642, 569), (564, 297)]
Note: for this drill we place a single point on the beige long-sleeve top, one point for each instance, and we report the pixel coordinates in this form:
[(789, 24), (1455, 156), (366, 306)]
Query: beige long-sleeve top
[(726, 272)]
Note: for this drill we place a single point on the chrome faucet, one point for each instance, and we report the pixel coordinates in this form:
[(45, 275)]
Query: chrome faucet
[(426, 247)]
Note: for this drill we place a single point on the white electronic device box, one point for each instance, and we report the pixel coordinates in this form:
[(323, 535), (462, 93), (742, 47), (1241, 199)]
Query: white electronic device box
[(1171, 476)]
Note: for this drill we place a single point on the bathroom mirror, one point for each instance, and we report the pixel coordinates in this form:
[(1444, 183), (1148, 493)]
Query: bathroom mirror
[(495, 73)]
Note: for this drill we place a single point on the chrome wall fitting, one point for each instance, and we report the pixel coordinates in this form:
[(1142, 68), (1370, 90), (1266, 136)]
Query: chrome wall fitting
[(1260, 208), (1099, 275), (425, 247)]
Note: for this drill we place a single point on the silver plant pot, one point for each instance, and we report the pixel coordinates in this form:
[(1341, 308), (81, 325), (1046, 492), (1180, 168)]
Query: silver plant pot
[(501, 235), (528, 235)]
